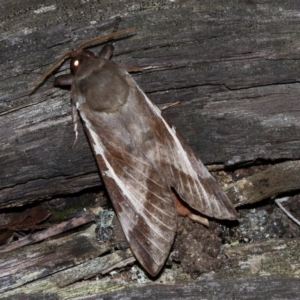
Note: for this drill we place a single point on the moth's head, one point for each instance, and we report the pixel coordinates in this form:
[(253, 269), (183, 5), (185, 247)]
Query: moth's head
[(80, 58)]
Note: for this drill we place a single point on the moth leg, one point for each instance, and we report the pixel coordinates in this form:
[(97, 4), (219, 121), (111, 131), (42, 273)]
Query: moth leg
[(63, 80), (199, 219), (184, 210), (135, 68), (75, 124)]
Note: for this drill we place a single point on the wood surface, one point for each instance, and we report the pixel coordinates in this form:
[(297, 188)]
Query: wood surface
[(234, 67)]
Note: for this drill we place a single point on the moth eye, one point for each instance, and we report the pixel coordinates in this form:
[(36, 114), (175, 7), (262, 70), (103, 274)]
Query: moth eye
[(75, 62)]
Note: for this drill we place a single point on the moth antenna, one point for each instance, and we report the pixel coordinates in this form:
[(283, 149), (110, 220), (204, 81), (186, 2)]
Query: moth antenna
[(101, 38), (68, 54), (49, 71)]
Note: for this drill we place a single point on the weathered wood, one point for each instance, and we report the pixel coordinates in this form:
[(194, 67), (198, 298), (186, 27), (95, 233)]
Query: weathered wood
[(53, 268), (280, 287), (213, 289), (48, 233), (37, 261), (234, 67), (282, 177)]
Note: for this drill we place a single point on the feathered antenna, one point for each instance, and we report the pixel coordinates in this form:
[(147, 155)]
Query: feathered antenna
[(71, 54)]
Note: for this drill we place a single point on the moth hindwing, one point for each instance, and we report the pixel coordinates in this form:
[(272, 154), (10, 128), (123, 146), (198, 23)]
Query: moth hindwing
[(141, 157)]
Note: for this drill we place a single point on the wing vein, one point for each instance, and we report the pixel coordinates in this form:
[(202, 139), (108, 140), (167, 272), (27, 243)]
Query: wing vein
[(142, 197)]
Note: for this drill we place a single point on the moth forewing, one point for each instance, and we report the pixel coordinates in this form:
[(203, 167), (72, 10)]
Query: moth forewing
[(173, 158)]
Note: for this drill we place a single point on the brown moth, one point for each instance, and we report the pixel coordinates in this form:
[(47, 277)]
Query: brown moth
[(142, 158)]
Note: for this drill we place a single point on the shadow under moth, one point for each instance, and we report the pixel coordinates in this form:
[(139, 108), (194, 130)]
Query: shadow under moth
[(148, 169)]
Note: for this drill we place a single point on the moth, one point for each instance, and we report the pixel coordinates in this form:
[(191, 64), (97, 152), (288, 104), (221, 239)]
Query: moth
[(144, 162)]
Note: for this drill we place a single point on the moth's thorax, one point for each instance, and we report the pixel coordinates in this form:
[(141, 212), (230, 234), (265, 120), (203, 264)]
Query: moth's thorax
[(100, 85)]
